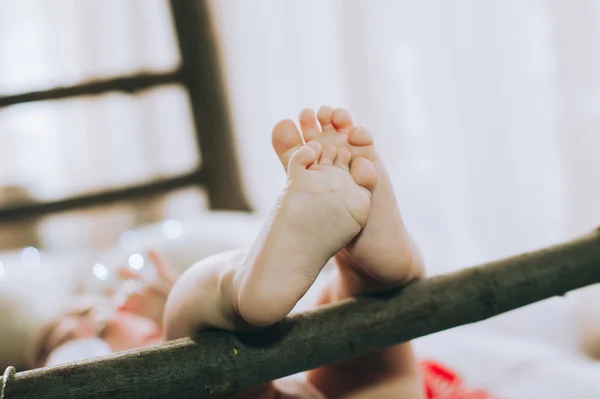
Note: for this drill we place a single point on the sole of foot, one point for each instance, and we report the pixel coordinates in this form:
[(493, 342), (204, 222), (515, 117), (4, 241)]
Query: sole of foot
[(383, 255), (324, 206)]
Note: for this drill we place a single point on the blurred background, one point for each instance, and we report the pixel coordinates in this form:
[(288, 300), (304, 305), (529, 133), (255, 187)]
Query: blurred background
[(125, 121)]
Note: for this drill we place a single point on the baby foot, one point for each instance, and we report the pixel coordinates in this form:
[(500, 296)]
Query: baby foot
[(383, 254), (325, 204)]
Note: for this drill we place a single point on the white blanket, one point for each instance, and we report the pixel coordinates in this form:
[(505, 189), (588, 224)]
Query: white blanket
[(513, 368)]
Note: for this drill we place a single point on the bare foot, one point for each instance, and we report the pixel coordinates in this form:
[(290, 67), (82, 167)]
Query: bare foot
[(325, 204), (383, 255)]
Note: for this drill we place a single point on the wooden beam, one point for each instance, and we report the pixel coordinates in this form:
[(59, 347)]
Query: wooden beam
[(202, 76), (128, 84), (36, 209), (216, 363)]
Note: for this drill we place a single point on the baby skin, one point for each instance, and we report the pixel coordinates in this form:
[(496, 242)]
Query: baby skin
[(333, 206)]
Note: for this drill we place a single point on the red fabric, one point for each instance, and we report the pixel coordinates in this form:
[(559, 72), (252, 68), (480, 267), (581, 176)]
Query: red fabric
[(440, 382)]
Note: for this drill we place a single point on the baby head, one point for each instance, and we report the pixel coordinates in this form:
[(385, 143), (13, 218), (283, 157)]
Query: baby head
[(92, 326)]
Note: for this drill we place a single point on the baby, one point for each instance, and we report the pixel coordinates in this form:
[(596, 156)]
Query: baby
[(338, 203)]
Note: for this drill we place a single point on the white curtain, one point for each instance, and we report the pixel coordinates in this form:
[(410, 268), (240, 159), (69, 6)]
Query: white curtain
[(72, 146), (487, 113), (79, 144)]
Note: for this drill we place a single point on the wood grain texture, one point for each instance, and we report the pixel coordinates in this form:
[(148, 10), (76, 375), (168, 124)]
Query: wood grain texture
[(217, 363)]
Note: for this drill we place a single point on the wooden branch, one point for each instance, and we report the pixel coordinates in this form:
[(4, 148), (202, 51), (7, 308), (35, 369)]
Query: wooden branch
[(128, 84), (36, 209), (217, 363)]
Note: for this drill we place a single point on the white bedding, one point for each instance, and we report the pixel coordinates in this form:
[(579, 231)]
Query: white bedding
[(31, 293), (511, 367)]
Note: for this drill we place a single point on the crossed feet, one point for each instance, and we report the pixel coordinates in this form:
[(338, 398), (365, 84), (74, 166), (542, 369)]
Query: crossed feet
[(338, 202), (383, 254)]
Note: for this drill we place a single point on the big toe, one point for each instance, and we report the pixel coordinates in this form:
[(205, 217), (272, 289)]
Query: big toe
[(286, 139)]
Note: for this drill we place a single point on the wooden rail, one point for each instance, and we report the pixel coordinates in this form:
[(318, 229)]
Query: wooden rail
[(216, 363)]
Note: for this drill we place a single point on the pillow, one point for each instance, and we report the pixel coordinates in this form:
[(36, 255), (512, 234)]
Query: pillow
[(179, 243)]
